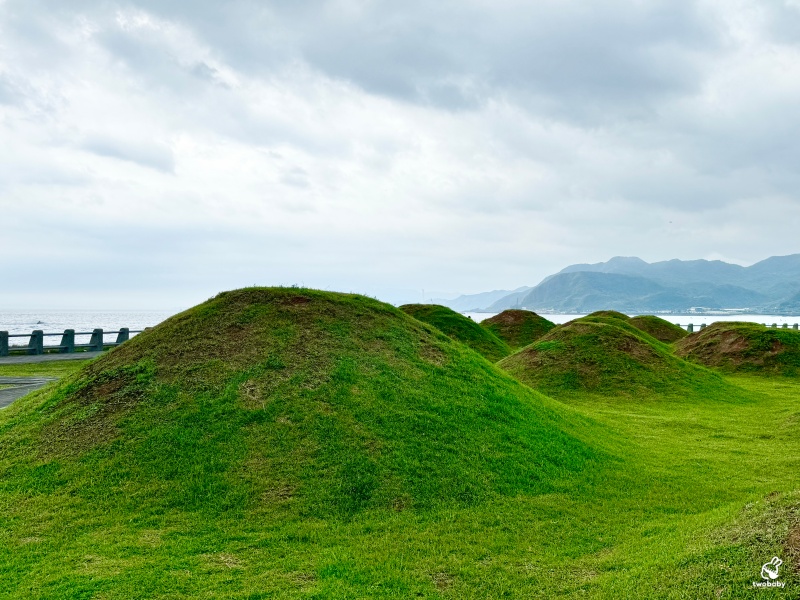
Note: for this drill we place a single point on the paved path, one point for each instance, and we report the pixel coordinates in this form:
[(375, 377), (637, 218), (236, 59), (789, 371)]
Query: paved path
[(37, 358), (19, 386)]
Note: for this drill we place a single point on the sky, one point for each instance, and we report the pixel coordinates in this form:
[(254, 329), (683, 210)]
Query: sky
[(156, 152)]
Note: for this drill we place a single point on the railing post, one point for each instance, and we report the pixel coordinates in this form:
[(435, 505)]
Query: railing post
[(794, 326), (67, 341), (774, 325), (96, 343), (785, 326), (123, 335), (690, 328), (36, 344), (4, 343), (702, 326)]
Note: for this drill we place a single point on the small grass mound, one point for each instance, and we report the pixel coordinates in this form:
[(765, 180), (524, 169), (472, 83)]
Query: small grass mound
[(744, 348), (606, 355), (662, 330), (460, 328), (518, 328), (613, 314)]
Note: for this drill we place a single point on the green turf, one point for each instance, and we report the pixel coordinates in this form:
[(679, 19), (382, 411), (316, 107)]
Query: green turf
[(659, 328), (606, 355), (744, 348), (460, 328), (610, 314), (300, 444), (517, 328), (55, 368)]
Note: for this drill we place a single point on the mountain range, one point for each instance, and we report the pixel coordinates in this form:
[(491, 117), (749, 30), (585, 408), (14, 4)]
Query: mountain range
[(629, 284)]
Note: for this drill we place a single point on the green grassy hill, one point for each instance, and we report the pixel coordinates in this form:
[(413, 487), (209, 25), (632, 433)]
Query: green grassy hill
[(460, 328), (294, 444), (662, 330), (605, 354), (517, 328), (744, 347), (257, 413)]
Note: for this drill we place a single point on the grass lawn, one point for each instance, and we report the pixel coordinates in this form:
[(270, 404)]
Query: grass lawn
[(55, 368), (384, 461)]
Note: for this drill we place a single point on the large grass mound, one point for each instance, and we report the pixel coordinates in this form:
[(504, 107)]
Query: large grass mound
[(744, 347), (518, 328), (606, 355), (258, 408), (659, 328), (460, 328)]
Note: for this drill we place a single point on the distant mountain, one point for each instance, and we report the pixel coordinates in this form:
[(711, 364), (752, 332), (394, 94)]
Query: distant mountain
[(790, 305), (470, 302), (629, 284), (755, 277), (586, 292)]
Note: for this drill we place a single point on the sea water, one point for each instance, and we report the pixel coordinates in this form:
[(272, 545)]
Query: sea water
[(56, 321), (682, 320)]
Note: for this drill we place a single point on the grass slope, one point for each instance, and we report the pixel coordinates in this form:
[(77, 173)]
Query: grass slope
[(185, 457), (604, 354), (613, 314), (744, 348), (517, 328), (50, 368), (459, 328), (662, 330)]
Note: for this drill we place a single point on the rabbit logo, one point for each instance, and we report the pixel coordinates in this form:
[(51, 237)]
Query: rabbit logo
[(769, 573), (770, 570)]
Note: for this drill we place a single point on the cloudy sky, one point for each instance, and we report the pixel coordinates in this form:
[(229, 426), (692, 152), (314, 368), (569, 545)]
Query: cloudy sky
[(155, 152)]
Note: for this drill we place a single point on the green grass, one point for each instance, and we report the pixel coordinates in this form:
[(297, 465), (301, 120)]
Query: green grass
[(602, 354), (738, 347), (328, 446), (460, 328), (55, 368), (517, 328), (659, 328)]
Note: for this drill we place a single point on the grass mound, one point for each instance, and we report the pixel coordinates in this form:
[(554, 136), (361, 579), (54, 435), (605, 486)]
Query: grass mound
[(612, 314), (259, 408), (662, 330), (518, 328), (606, 355), (459, 328), (744, 348)]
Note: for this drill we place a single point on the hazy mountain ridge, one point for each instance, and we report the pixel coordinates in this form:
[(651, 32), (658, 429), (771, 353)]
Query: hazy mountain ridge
[(629, 284), (468, 302)]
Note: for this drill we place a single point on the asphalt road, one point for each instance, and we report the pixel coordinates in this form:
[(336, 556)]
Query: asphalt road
[(19, 386)]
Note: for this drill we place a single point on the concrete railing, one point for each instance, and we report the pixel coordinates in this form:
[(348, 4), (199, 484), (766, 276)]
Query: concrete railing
[(690, 327), (36, 343)]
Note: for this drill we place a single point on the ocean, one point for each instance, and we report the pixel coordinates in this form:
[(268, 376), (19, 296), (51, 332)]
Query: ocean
[(682, 320), (56, 321)]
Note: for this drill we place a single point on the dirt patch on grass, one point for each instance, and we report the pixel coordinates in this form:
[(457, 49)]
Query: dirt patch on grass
[(792, 548), (442, 581), (743, 347), (88, 417)]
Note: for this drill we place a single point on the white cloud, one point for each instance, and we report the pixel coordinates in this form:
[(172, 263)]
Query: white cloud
[(367, 147)]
